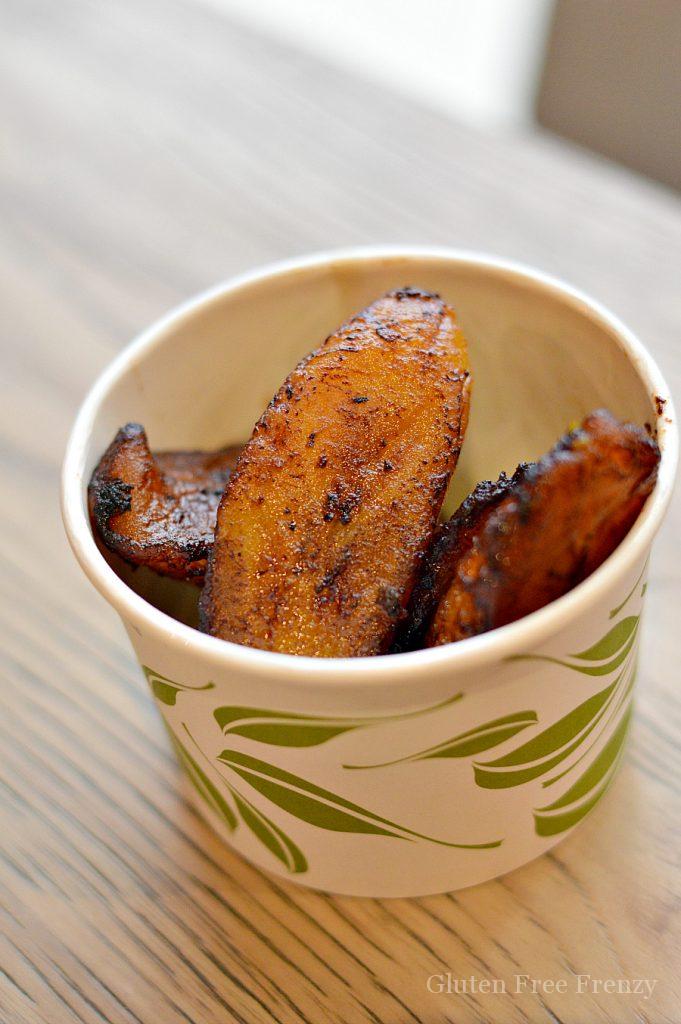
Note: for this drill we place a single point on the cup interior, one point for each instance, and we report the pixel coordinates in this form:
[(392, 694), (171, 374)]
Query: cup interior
[(542, 358)]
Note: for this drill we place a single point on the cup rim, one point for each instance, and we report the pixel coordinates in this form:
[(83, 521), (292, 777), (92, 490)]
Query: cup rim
[(473, 652)]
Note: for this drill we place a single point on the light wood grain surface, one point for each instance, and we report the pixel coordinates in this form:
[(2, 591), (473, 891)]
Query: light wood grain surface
[(149, 150)]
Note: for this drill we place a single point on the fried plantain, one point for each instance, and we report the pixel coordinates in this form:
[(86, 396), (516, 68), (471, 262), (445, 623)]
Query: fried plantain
[(158, 509), (522, 542), (322, 527), (450, 539)]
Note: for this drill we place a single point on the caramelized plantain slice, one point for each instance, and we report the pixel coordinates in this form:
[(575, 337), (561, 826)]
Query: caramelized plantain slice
[(321, 529), (159, 509), (516, 545), (449, 541)]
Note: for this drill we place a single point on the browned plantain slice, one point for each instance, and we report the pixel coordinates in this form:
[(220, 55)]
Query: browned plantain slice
[(450, 540), (158, 510), (321, 529), (516, 545)]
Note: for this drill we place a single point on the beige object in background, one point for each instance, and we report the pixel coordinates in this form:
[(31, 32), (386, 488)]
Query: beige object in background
[(612, 82), (457, 745)]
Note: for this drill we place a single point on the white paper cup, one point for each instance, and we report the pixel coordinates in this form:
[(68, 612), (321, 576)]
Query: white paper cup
[(414, 773)]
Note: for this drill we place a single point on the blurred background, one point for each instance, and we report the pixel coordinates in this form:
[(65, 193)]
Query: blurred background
[(604, 73)]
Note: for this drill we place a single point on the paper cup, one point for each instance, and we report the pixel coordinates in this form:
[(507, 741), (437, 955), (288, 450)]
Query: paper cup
[(403, 774)]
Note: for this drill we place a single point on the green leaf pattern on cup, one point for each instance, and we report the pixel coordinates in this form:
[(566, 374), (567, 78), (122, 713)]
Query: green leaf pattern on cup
[(265, 830), (615, 611), (285, 729), (568, 742), (270, 835), (609, 710), (203, 785), (474, 741), (320, 807), (166, 690), (549, 747), (571, 807), (614, 646)]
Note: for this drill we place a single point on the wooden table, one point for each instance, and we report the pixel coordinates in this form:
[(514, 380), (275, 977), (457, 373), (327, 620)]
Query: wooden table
[(149, 150)]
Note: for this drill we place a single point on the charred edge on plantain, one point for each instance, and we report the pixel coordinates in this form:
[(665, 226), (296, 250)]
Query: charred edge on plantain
[(112, 498)]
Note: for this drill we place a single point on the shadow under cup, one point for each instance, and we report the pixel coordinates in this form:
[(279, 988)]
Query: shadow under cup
[(404, 774)]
